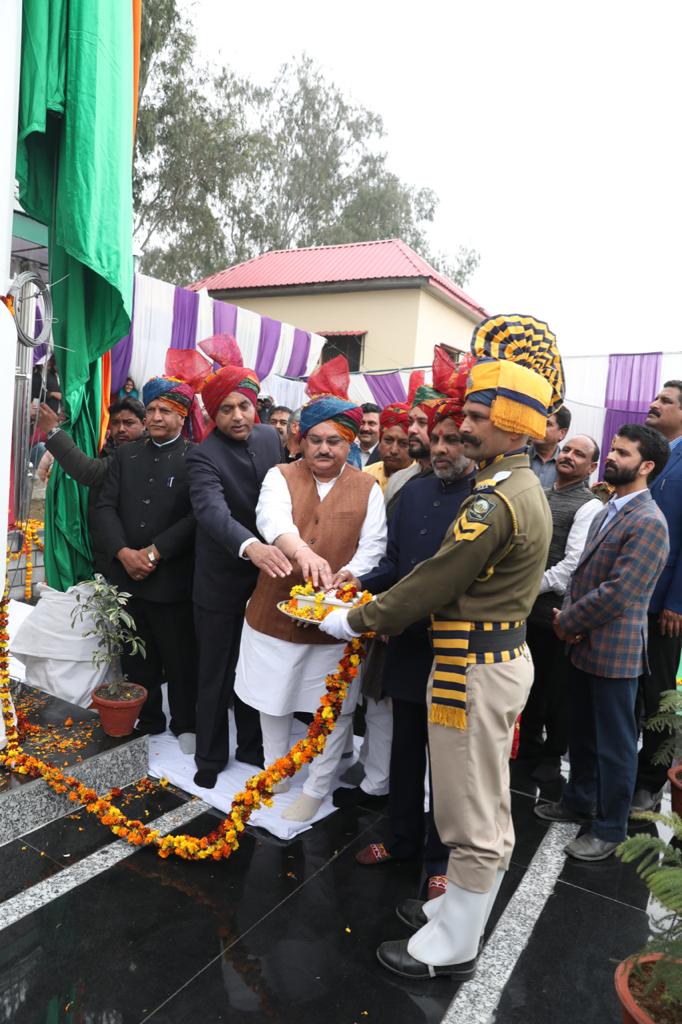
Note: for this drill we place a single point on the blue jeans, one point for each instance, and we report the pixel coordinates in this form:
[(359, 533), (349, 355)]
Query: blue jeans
[(602, 747)]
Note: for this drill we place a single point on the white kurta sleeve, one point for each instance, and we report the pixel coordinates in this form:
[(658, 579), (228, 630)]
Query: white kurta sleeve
[(372, 543), (274, 511), (557, 577)]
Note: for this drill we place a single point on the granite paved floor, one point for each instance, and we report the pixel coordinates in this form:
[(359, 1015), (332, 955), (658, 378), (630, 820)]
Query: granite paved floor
[(286, 932)]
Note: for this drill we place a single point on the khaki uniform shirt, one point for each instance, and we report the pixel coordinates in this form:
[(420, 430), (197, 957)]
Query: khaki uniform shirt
[(505, 525)]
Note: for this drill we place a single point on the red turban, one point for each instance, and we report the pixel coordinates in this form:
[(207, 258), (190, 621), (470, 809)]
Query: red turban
[(394, 415), (228, 379)]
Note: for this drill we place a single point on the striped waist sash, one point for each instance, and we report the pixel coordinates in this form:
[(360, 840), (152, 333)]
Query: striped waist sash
[(457, 644)]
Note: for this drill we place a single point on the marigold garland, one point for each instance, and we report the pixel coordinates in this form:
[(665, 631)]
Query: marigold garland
[(224, 840), (31, 542)]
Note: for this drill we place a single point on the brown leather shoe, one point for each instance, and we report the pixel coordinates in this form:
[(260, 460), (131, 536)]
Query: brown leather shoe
[(375, 853)]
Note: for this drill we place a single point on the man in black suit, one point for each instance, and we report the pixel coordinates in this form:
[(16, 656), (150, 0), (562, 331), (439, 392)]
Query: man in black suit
[(226, 472), (126, 423), (146, 526)]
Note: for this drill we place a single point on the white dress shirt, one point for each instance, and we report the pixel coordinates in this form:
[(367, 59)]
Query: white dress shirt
[(557, 577)]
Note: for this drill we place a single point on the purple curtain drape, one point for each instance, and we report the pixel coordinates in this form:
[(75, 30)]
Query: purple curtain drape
[(298, 360), (122, 353), (386, 388), (185, 315), (631, 385), (224, 318), (268, 343)]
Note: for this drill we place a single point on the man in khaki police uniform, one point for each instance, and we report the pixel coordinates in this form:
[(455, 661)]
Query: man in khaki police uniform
[(479, 589)]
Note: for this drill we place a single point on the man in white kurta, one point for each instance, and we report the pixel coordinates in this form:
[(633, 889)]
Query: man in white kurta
[(326, 517)]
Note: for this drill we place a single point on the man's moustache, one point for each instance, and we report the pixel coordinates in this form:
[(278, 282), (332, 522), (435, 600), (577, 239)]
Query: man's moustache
[(470, 439), (653, 412)]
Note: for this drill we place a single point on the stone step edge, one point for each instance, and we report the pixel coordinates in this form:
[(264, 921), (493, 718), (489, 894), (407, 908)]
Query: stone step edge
[(73, 875), (33, 804)]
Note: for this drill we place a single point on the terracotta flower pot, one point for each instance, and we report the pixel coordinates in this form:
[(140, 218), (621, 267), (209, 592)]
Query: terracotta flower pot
[(632, 1011), (675, 776), (119, 716)]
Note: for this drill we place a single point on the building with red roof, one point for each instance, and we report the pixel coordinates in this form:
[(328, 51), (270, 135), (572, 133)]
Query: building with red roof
[(379, 303)]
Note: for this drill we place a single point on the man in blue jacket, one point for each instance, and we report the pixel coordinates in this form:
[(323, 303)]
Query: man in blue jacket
[(665, 611)]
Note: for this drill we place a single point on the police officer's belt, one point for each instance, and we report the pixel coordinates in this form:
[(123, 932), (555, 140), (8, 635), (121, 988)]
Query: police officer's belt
[(457, 644)]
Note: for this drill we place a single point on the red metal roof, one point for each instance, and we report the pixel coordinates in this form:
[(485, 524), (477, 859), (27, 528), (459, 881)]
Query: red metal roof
[(324, 264)]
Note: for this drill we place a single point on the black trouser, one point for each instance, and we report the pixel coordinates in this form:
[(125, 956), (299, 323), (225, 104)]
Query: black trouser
[(407, 821), (547, 704), (218, 635), (664, 658), (171, 656)]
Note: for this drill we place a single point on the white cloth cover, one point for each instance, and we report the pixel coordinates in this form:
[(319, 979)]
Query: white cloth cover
[(248, 335), (57, 657), (204, 317), (166, 760), (153, 324)]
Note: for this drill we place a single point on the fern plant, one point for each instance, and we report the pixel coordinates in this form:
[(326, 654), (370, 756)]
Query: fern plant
[(668, 720), (659, 864), (112, 625)]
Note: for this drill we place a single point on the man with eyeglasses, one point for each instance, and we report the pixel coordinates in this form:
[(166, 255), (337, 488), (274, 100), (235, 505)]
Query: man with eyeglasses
[(325, 516)]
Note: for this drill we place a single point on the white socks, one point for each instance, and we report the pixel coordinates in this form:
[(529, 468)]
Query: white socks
[(188, 743), (303, 809)]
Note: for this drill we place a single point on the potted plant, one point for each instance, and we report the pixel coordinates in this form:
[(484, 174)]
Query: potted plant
[(649, 984), (104, 610)]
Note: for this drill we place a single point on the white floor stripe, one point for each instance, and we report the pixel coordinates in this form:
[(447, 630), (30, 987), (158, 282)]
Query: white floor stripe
[(64, 881), (475, 1001)]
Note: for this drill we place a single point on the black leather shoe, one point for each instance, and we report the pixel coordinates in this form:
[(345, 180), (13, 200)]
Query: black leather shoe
[(411, 913), (344, 797), (394, 957), (559, 812), (590, 848), (644, 800)]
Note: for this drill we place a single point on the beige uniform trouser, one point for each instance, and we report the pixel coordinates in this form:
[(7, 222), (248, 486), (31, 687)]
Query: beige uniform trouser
[(470, 769)]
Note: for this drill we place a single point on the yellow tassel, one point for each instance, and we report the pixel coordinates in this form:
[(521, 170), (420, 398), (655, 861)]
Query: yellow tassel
[(516, 418), (452, 718)]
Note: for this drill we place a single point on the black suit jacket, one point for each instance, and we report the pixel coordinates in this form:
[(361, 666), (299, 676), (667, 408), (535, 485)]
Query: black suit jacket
[(225, 477), (145, 500)]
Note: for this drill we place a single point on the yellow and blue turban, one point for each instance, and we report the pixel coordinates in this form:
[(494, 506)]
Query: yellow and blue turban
[(518, 373), (346, 416)]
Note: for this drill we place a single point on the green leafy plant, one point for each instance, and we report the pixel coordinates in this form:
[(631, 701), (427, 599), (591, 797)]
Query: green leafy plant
[(659, 864), (113, 626)]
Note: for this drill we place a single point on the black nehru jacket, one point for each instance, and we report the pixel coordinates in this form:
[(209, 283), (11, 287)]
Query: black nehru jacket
[(145, 500), (225, 480)]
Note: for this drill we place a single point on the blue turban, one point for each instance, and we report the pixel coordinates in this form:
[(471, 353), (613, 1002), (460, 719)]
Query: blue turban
[(346, 416)]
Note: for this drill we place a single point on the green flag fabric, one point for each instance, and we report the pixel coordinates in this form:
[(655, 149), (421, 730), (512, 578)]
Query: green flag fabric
[(74, 167)]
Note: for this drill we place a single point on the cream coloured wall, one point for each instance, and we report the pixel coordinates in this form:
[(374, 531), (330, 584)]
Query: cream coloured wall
[(389, 317), (439, 324)]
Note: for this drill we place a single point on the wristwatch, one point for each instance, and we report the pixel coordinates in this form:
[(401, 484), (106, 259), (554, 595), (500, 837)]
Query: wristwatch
[(51, 433), (152, 557)]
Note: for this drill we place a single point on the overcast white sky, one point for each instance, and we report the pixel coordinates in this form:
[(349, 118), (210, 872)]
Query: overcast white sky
[(549, 131)]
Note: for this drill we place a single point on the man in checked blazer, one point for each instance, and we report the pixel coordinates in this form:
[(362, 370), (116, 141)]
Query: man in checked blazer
[(604, 620)]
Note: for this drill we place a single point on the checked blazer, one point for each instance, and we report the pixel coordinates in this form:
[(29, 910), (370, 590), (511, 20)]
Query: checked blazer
[(609, 594)]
